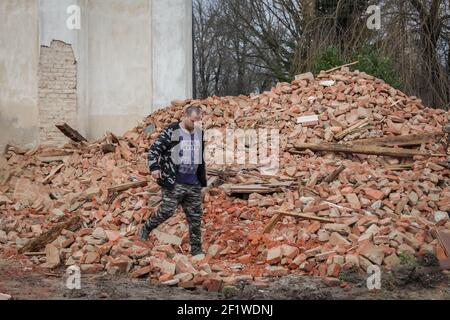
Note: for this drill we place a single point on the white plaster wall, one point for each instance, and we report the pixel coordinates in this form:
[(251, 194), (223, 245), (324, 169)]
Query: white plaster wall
[(113, 52), (120, 76), (19, 59), (52, 24), (172, 51)]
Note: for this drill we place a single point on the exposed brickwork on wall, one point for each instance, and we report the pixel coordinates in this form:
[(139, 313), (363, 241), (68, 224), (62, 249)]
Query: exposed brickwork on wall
[(57, 91)]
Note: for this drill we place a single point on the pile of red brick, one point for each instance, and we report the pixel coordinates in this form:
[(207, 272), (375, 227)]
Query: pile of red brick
[(378, 209)]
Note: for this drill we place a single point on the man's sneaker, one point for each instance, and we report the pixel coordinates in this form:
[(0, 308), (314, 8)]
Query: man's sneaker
[(144, 233)]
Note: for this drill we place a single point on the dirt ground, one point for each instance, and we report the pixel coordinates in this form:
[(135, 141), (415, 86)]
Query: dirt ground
[(422, 280)]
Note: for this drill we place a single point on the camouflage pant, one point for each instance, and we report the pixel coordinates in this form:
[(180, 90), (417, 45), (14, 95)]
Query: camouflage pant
[(190, 199)]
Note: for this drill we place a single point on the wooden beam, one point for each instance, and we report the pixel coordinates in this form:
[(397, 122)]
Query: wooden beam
[(71, 133), (279, 215), (400, 167), (343, 66), (401, 141), (34, 254), (48, 159), (52, 173), (334, 174), (272, 223), (369, 150), (256, 188), (127, 186), (50, 236), (125, 150), (354, 128), (306, 217)]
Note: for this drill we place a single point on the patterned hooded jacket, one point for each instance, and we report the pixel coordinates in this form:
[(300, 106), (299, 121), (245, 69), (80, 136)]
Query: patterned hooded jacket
[(160, 157)]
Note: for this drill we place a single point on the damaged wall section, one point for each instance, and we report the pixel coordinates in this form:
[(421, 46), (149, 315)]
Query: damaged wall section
[(57, 91), (132, 57)]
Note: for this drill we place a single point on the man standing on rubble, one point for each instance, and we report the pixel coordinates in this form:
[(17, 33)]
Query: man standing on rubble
[(176, 162)]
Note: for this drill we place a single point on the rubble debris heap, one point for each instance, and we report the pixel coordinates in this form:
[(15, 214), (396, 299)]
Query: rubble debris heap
[(325, 211)]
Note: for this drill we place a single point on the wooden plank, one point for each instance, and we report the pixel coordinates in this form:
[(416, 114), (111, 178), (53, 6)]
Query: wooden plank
[(306, 217), (343, 66), (334, 174), (48, 274), (52, 173), (71, 133), (400, 167), (50, 159), (56, 153), (213, 182), (444, 239), (34, 254), (125, 150), (225, 173), (279, 215), (77, 205), (112, 137), (272, 223), (353, 128), (127, 186), (369, 150), (401, 141), (250, 191), (50, 236), (256, 188)]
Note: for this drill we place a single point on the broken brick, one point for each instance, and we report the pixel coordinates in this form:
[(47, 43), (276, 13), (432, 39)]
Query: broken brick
[(337, 240), (213, 285), (52, 255), (289, 251), (274, 255), (374, 194), (277, 271), (91, 258), (372, 253), (184, 266), (353, 200)]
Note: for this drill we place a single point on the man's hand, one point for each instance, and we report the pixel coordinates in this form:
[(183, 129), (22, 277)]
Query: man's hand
[(156, 174)]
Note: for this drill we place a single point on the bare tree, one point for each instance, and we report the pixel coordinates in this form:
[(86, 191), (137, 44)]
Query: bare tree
[(248, 45), (430, 22), (208, 58)]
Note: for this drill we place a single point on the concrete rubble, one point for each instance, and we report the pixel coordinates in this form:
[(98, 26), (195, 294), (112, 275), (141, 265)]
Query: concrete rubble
[(377, 207)]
